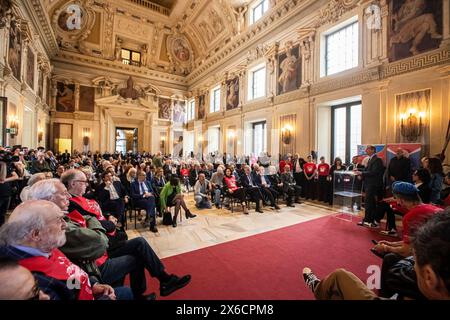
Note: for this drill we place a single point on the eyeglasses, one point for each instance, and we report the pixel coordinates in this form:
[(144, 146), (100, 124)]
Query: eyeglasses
[(82, 181), (35, 291)]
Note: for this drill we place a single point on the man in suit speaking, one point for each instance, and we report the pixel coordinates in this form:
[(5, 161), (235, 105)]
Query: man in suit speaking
[(373, 183)]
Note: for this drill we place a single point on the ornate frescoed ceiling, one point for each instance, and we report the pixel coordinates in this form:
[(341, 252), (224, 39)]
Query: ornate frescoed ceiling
[(173, 36)]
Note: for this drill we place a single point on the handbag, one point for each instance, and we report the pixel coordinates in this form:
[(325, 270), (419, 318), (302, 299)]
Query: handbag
[(167, 218)]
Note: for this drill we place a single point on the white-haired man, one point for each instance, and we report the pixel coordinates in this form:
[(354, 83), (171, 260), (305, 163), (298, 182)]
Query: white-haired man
[(32, 236), (127, 257)]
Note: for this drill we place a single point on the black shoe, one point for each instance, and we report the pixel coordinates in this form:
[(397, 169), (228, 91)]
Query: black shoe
[(375, 252), (298, 201), (276, 207), (190, 215), (174, 284), (291, 205), (259, 210), (311, 279), (151, 296), (174, 224), (153, 229)]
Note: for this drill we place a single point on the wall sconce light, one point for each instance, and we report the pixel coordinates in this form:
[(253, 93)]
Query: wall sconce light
[(40, 134), (163, 142), (231, 134), (410, 127), (286, 134), (13, 125)]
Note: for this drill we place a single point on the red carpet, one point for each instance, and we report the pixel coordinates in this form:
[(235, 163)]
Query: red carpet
[(268, 265)]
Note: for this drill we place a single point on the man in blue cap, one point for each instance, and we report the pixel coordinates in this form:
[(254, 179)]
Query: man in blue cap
[(407, 196)]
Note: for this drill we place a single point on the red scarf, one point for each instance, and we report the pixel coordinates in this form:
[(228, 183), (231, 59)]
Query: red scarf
[(57, 266), (92, 207)]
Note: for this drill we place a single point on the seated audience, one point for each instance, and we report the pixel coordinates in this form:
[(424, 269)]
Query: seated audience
[(40, 165), (431, 248), (86, 240), (143, 197), (171, 196), (112, 197), (202, 190), (217, 186), (251, 189), (265, 186), (232, 189), (421, 178), (290, 188), (32, 236), (33, 179)]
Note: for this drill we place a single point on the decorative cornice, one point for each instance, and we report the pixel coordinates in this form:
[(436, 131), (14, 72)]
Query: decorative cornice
[(298, 94), (107, 65), (334, 10), (40, 20), (354, 79), (416, 63)]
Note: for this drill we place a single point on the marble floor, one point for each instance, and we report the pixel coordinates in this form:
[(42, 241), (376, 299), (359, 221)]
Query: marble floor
[(214, 226)]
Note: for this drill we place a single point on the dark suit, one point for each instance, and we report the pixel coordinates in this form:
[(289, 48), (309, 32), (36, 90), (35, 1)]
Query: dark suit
[(267, 191), (373, 184), (251, 189), (139, 201), (290, 188), (117, 206)]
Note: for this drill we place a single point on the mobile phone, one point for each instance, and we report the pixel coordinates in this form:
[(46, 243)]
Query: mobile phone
[(374, 241)]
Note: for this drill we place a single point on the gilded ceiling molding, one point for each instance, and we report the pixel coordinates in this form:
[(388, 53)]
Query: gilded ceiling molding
[(38, 13)]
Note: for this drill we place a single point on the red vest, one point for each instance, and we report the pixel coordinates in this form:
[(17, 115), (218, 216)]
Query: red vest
[(57, 266)]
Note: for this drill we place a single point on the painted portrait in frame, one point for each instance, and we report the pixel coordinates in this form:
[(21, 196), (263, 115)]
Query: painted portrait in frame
[(201, 107), (87, 99), (415, 26), (289, 73), (65, 97), (164, 108), (15, 49), (232, 100)]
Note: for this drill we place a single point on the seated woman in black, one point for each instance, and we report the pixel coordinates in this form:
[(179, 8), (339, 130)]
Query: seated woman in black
[(422, 178)]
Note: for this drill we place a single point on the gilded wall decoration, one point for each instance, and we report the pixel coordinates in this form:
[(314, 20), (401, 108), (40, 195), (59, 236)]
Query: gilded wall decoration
[(164, 108), (15, 49), (201, 107), (232, 99), (65, 97), (180, 53), (415, 26), (87, 99), (289, 70), (30, 68)]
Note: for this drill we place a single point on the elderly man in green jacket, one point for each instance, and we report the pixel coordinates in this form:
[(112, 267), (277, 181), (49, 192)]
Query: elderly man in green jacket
[(87, 244)]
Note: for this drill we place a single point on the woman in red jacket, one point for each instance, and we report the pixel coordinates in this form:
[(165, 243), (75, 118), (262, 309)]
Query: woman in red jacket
[(233, 190)]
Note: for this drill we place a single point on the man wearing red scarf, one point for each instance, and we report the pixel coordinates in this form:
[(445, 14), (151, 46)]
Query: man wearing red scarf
[(32, 236)]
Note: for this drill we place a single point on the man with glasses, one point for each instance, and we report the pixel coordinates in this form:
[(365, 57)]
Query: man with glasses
[(143, 197), (131, 257), (32, 236)]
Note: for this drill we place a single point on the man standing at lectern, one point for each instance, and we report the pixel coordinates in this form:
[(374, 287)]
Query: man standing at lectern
[(373, 183)]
